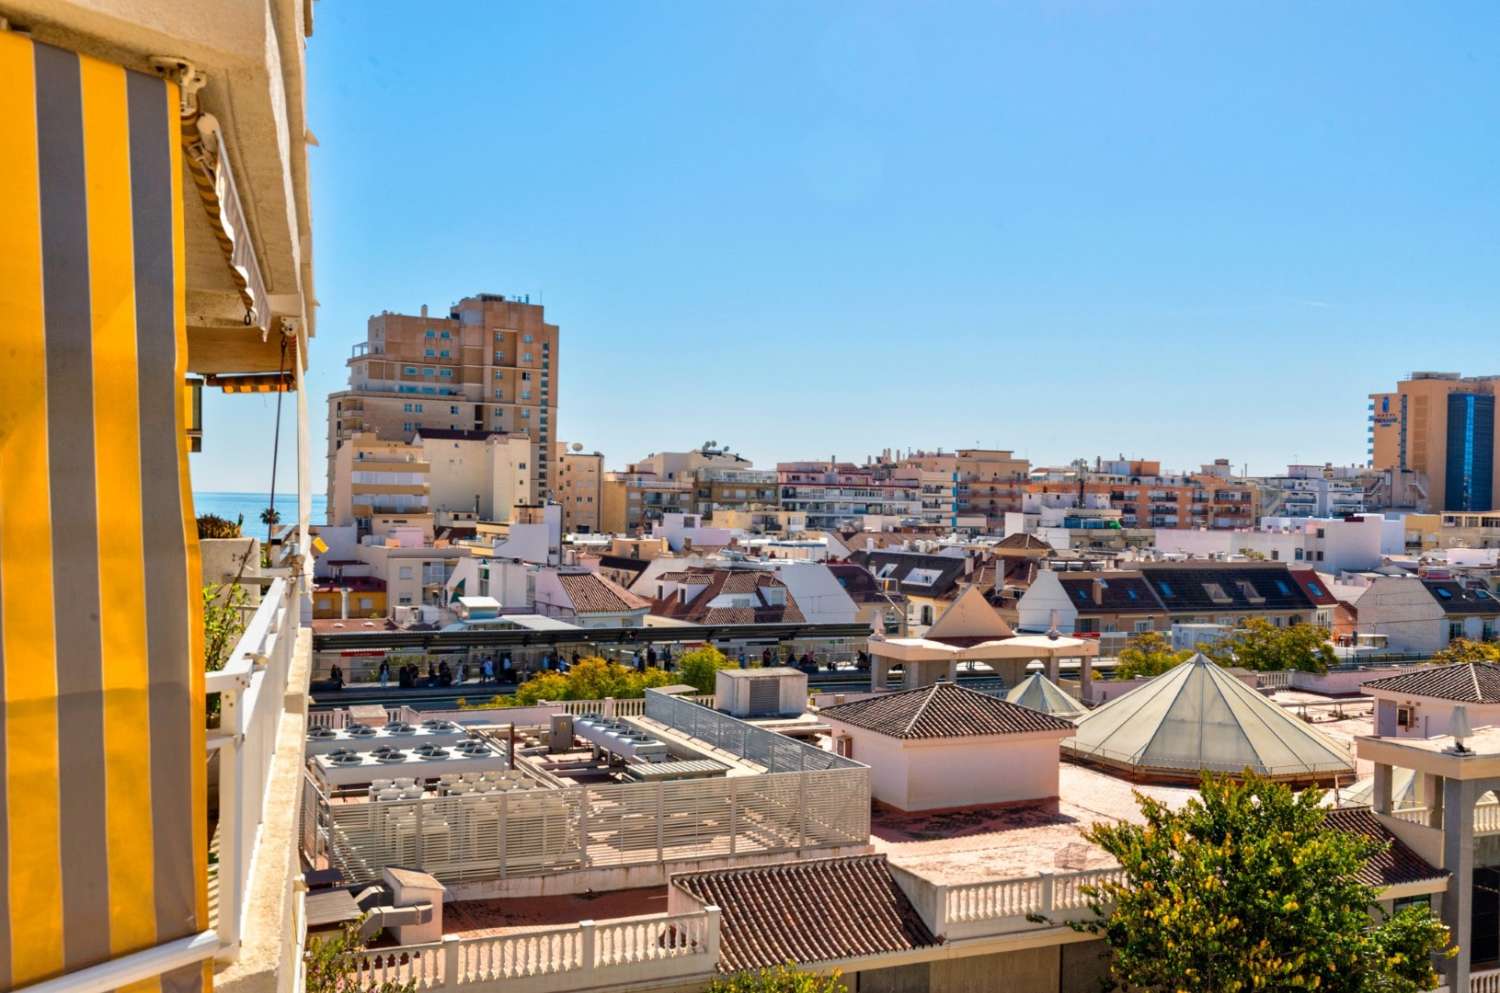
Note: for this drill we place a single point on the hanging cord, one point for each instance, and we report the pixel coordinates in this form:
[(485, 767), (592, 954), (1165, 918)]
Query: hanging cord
[(276, 448)]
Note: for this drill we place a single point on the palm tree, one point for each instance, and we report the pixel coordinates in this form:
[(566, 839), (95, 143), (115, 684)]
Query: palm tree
[(270, 516)]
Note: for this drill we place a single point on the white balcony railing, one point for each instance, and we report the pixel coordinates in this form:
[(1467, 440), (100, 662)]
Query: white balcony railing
[(1001, 906), (587, 955), (251, 688)]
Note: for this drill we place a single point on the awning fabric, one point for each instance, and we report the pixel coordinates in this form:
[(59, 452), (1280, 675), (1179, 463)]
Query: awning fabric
[(103, 847)]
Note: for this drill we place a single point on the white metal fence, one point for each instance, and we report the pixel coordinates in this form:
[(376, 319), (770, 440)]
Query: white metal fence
[(809, 799), (578, 956), (775, 752), (251, 687)]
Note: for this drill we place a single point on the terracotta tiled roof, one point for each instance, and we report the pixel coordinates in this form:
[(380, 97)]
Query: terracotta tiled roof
[(1397, 864), (1314, 586), (942, 710), (710, 584), (1022, 540), (1466, 682), (822, 910), (593, 594)]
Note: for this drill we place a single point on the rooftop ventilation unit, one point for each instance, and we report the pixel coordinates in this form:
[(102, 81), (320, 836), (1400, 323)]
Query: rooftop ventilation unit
[(772, 692)]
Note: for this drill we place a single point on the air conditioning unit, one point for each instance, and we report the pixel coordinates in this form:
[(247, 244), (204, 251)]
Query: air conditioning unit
[(772, 692)]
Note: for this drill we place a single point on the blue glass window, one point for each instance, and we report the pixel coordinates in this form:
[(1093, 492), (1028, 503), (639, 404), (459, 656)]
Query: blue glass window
[(1283, 588), (1165, 587)]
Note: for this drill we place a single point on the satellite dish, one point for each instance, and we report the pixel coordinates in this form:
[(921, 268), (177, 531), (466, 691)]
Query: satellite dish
[(577, 446)]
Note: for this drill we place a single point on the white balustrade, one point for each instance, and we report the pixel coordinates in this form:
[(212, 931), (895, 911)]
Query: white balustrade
[(252, 688), (589, 953)]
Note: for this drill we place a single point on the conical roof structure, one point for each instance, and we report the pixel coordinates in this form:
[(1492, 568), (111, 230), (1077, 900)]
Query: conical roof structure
[(1037, 692), (1196, 718)]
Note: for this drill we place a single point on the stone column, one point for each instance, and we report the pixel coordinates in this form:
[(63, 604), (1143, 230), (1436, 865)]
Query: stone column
[(1458, 859), (1381, 799), (1432, 796), (1052, 666), (1085, 678)]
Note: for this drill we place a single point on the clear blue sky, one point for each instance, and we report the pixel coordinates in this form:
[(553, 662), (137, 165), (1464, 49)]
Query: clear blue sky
[(1172, 230)]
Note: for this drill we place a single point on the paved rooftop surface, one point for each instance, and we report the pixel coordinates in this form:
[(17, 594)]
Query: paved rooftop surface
[(984, 843)]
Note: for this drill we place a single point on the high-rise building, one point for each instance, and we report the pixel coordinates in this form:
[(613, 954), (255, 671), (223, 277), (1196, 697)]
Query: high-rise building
[(1441, 425), (490, 365)]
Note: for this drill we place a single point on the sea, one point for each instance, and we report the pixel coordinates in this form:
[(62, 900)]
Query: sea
[(232, 505)]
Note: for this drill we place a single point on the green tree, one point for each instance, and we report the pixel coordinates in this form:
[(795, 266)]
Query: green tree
[(698, 668), (224, 607), (1260, 645), (327, 966), (588, 679), (270, 516), (780, 979), (1148, 654), (1245, 888), (1464, 650)]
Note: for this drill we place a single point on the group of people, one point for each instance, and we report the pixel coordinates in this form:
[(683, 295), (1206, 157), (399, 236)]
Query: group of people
[(505, 670)]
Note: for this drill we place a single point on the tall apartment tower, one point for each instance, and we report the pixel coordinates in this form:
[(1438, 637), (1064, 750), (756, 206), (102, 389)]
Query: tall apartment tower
[(1442, 425), (489, 366)]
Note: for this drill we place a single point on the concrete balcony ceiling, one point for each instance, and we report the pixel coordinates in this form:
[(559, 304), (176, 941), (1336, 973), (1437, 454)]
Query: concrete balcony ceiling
[(255, 80)]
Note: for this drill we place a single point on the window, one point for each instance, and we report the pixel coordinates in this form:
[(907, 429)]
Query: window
[(428, 370), (447, 334), (526, 377), (443, 353), (453, 410), (1141, 627), (429, 353), (526, 414), (406, 407), (431, 333), (1282, 588), (447, 373), (526, 357), (418, 407), (1406, 716), (410, 370), (526, 338), (1165, 587), (405, 572)]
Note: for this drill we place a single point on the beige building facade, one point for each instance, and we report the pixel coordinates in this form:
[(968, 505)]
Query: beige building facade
[(476, 475), (580, 481), (489, 365), (373, 478)]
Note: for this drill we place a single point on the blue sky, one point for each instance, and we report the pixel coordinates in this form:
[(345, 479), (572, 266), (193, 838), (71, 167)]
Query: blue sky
[(1172, 230)]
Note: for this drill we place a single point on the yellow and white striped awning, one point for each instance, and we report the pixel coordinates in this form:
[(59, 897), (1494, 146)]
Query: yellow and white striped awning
[(103, 842)]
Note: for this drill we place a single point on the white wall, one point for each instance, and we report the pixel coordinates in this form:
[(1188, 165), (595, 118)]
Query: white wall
[(1431, 717), (1403, 611), (817, 592), (1043, 600), (960, 772)]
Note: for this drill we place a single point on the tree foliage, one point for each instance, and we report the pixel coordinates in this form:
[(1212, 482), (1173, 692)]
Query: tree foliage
[(587, 679), (223, 622), (698, 667), (270, 516), (327, 966), (1244, 889), (780, 979), (1260, 645), (1464, 650), (1148, 654), (214, 526)]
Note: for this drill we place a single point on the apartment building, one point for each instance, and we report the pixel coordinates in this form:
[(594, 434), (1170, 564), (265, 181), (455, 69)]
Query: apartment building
[(1441, 425), (489, 365), (580, 488), (1313, 491), (834, 494), (986, 482), (718, 490), (377, 484), (475, 475), (1148, 497), (157, 227)]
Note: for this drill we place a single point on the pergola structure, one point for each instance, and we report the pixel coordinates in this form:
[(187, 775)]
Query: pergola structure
[(924, 661)]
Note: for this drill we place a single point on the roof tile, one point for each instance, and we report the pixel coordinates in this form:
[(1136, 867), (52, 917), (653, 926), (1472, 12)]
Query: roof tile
[(942, 710)]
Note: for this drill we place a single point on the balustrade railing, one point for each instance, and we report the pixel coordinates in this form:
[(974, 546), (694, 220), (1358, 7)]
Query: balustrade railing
[(1007, 898), (588, 953)]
